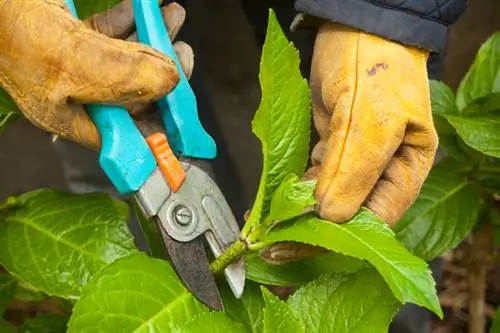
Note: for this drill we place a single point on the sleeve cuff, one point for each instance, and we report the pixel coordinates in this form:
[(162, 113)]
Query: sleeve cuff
[(392, 24)]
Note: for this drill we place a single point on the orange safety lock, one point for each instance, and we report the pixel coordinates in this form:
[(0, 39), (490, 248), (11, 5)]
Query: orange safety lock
[(169, 164)]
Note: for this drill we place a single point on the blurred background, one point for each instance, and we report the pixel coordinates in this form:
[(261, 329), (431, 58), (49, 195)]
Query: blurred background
[(227, 55)]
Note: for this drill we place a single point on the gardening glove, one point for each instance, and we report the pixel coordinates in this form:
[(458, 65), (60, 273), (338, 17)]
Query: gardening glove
[(51, 63), (372, 111), (371, 108)]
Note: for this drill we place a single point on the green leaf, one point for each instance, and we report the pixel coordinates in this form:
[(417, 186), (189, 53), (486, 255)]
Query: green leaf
[(443, 104), (211, 322), (442, 99), (278, 316), (86, 8), (297, 273), (248, 309), (456, 147), (340, 303), (495, 327), (8, 110), (444, 213), (55, 241), (282, 121), (480, 88), (477, 120), (5, 327), (134, 294), (368, 238), (479, 131), (7, 290), (488, 174), (45, 324), (291, 198)]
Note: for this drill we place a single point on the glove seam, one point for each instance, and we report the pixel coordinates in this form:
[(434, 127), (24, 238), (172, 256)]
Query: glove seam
[(17, 95), (351, 106)]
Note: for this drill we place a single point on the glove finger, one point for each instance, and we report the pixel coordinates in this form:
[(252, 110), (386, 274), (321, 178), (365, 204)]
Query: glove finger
[(82, 130), (353, 161), (117, 22), (70, 122), (186, 58), (402, 180), (174, 16), (286, 252), (105, 70)]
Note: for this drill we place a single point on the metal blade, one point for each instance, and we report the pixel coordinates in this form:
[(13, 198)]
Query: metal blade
[(191, 264)]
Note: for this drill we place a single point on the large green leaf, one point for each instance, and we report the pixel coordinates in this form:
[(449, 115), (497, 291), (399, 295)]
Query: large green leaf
[(443, 104), (297, 273), (7, 290), (55, 241), (480, 88), (479, 131), (86, 8), (341, 303), (282, 121), (354, 303), (8, 110), (477, 118), (134, 294), (211, 322), (279, 317), (487, 174), (368, 238), (291, 198), (443, 214), (442, 99), (45, 324), (248, 309)]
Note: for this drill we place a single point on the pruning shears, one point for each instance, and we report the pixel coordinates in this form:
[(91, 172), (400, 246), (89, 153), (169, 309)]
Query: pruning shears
[(169, 177)]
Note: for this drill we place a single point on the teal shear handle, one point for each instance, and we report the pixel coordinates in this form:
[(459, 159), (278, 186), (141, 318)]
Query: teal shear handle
[(125, 156), (186, 135)]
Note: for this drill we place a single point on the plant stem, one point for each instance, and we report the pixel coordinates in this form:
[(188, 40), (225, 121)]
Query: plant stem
[(259, 231), (233, 253), (479, 253)]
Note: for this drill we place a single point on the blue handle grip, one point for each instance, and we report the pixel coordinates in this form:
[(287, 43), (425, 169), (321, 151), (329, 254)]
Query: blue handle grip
[(125, 156), (186, 135)]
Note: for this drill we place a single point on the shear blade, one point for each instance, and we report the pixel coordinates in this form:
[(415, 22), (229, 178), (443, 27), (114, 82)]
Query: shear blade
[(191, 264)]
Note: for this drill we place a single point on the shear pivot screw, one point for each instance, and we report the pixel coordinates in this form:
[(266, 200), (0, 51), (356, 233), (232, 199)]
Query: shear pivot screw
[(183, 215)]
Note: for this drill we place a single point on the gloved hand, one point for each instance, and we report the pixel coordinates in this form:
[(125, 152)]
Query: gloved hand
[(372, 110), (51, 63), (371, 107)]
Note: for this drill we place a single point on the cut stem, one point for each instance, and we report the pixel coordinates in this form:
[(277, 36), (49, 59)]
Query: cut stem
[(233, 253)]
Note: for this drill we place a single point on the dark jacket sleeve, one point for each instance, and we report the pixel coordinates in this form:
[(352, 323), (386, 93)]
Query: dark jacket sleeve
[(421, 23)]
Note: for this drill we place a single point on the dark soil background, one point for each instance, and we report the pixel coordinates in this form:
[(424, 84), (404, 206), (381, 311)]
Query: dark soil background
[(227, 62)]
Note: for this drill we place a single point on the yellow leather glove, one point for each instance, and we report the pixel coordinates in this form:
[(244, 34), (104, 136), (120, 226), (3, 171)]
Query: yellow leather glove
[(372, 111), (51, 63)]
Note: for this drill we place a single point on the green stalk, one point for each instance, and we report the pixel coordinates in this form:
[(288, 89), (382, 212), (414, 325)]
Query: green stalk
[(233, 253), (257, 233)]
